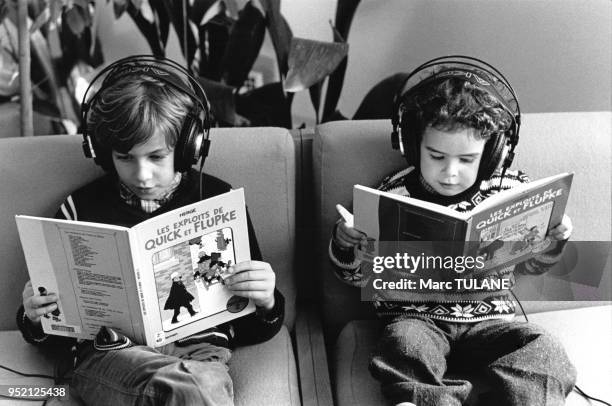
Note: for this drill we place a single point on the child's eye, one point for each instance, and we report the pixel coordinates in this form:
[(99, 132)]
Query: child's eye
[(436, 157), (468, 160), (158, 157), (122, 157)]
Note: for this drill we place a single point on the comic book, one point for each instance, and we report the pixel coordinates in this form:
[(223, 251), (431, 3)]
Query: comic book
[(502, 230), (156, 282)]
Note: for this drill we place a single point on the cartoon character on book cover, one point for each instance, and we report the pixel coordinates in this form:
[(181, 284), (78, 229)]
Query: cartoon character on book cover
[(189, 278)]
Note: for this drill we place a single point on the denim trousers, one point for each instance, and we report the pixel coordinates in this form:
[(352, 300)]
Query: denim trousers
[(170, 375), (523, 364)]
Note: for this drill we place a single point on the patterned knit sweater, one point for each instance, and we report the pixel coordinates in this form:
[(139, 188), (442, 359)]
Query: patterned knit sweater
[(469, 304)]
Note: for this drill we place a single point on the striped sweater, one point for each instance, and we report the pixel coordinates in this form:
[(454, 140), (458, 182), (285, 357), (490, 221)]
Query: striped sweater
[(457, 305)]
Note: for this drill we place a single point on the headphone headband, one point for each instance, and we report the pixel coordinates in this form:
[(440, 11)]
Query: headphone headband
[(193, 142), (482, 76)]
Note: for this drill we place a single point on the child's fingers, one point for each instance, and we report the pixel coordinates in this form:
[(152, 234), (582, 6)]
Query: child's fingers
[(251, 275), (349, 239), (349, 231), (250, 265), (563, 231), (28, 291), (560, 233), (256, 296), (251, 286), (34, 314)]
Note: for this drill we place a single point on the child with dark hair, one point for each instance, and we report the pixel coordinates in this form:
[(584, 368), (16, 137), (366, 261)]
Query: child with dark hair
[(137, 122), (454, 133)]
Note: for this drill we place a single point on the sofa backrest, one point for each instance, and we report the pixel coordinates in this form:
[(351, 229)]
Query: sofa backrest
[(37, 173), (350, 152)]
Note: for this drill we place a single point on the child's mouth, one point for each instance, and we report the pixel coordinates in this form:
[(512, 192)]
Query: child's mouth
[(144, 191), (448, 186)]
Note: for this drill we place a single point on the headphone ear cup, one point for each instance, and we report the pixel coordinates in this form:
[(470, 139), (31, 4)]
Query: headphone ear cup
[(188, 146), (494, 149)]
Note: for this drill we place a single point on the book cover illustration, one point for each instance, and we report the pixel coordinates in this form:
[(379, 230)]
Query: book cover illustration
[(190, 279)]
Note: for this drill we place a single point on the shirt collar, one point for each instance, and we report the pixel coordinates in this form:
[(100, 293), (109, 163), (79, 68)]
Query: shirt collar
[(149, 206)]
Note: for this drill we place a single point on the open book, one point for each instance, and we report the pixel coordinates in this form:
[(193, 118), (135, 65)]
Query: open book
[(157, 282), (502, 230)]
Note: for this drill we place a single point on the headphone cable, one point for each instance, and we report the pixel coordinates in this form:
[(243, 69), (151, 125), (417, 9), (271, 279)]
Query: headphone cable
[(576, 388)]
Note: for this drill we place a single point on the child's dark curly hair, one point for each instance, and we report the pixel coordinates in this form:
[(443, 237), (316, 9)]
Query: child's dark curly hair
[(455, 104)]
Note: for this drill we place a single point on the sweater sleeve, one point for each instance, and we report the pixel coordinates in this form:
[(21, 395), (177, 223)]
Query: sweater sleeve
[(542, 262), (34, 334), (345, 264), (262, 325)]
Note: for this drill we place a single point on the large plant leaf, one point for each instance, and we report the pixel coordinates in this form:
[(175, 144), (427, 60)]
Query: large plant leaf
[(266, 106), (280, 33), (148, 30), (222, 100), (162, 21), (243, 46), (77, 18), (214, 37), (43, 17), (199, 9), (174, 8), (311, 61), (345, 12), (119, 7)]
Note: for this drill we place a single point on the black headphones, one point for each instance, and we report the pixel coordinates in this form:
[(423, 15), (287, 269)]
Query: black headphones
[(481, 75), (192, 143)]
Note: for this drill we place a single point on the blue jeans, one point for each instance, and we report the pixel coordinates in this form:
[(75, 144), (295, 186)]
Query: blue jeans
[(524, 364), (139, 375)]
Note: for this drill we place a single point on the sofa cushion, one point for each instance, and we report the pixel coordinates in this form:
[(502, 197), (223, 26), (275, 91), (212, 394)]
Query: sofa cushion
[(254, 370), (586, 334)]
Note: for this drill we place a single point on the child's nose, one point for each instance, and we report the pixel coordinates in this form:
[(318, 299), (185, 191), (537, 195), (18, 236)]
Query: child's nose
[(143, 172), (451, 168)]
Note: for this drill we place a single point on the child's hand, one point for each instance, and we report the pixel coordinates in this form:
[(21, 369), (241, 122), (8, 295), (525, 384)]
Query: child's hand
[(36, 306), (347, 236), (562, 231), (254, 280)]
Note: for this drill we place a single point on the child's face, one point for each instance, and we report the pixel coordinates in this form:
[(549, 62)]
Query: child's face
[(148, 168), (450, 160)]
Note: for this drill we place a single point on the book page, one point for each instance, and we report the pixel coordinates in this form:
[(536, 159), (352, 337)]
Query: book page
[(395, 224), (89, 266), (184, 257)]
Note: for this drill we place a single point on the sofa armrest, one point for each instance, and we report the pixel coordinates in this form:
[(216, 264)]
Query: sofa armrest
[(313, 369)]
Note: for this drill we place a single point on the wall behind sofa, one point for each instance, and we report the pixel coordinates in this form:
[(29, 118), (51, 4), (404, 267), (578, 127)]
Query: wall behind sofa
[(556, 53)]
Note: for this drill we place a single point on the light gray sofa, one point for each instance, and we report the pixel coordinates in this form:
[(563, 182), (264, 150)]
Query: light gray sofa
[(349, 152), (36, 173)]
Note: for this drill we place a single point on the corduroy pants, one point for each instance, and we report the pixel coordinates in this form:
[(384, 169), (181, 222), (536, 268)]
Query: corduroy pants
[(524, 364)]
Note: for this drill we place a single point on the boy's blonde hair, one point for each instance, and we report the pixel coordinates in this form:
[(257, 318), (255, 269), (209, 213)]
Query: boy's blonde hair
[(129, 111)]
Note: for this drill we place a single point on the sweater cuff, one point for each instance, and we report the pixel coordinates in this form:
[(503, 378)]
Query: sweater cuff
[(343, 257), (276, 313), (31, 332)]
